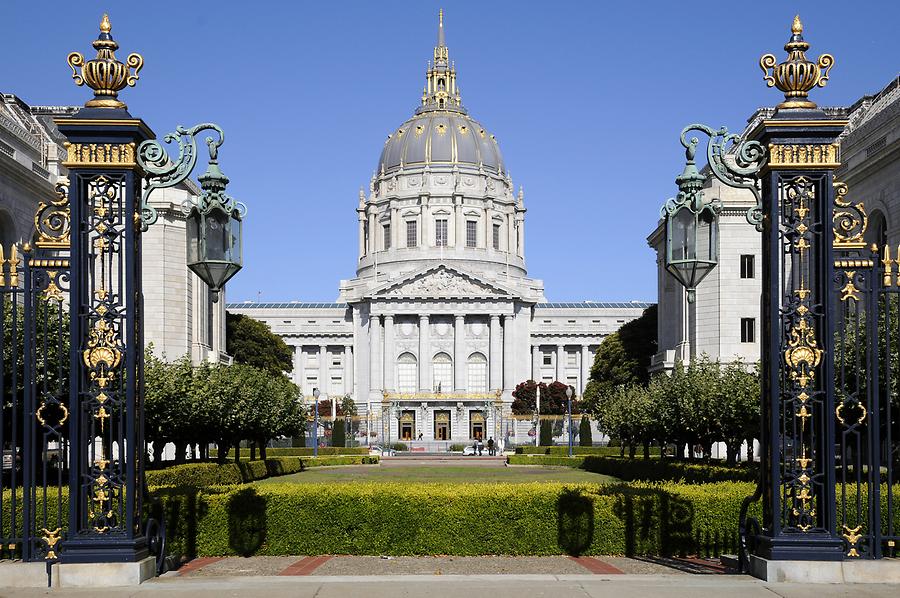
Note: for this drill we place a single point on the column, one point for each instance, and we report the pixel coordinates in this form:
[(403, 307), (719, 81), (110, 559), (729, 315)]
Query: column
[(536, 363), (487, 227), (459, 360), (375, 354), (395, 226), (372, 245), (424, 354), (348, 370), (586, 363), (362, 233), (323, 370), (459, 232), (509, 382), (389, 356), (520, 233), (560, 363), (495, 359), (298, 366)]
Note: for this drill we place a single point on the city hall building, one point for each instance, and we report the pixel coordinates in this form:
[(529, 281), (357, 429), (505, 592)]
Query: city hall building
[(442, 320)]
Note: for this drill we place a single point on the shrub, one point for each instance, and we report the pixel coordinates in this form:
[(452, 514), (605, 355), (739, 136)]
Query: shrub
[(458, 519), (652, 470), (607, 451), (585, 436), (399, 446), (458, 448), (300, 451), (339, 433), (546, 437), (202, 475)]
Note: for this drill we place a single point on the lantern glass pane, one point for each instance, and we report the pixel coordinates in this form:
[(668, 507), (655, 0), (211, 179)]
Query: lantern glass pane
[(193, 237), (217, 238)]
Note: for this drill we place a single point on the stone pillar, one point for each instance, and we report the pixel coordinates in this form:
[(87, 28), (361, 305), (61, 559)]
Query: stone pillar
[(372, 246), (362, 233), (495, 359), (323, 370), (424, 353), (348, 370), (375, 353), (298, 366), (459, 232), (586, 363), (560, 363), (536, 363), (509, 382), (389, 356), (487, 226), (520, 233), (395, 226), (459, 360)]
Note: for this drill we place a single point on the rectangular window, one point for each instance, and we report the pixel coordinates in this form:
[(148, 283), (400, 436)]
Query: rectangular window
[(497, 237), (336, 362), (548, 359), (412, 234), (571, 359), (471, 233), (747, 266), (336, 386), (387, 236), (748, 330), (440, 232)]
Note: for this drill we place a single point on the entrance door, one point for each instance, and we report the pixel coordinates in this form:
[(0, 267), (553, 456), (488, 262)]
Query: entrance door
[(407, 425), (476, 425), (442, 425)]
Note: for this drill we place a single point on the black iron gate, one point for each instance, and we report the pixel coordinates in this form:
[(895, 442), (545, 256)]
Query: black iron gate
[(867, 381), (34, 387)]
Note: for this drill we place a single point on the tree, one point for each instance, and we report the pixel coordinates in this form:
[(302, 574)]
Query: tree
[(546, 435), (622, 358), (251, 342), (585, 437), (339, 433), (738, 407), (553, 398), (170, 411)]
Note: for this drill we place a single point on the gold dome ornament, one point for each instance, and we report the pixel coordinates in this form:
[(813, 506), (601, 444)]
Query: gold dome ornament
[(106, 75), (796, 76)]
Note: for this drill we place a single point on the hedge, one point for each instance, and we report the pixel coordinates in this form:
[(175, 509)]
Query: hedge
[(299, 451), (200, 475), (610, 451), (644, 469)]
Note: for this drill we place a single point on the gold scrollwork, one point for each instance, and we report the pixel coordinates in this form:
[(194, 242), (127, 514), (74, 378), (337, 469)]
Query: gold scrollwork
[(839, 410), (13, 263), (849, 221), (51, 539), (850, 291), (53, 292), (102, 354), (100, 154), (39, 414), (852, 536), (803, 350), (52, 221), (413, 396)]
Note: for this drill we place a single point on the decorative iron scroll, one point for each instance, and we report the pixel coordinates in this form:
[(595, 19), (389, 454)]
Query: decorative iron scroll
[(736, 162), (164, 172), (53, 220), (849, 221)]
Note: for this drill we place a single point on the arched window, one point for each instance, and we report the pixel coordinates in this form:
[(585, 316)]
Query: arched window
[(477, 373), (407, 373), (442, 372), (876, 232)]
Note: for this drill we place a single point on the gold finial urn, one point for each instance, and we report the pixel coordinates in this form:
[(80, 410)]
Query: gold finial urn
[(796, 76), (106, 75)]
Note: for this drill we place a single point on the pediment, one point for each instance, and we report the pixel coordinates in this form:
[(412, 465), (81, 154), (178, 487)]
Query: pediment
[(442, 281)]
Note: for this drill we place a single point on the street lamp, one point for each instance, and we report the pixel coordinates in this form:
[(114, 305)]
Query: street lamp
[(398, 413), (692, 247), (316, 394), (569, 393)]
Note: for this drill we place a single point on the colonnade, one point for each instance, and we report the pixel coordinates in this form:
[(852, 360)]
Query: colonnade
[(585, 360)]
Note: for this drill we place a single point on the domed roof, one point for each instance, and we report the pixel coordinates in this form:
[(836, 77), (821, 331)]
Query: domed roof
[(441, 132), (441, 137)]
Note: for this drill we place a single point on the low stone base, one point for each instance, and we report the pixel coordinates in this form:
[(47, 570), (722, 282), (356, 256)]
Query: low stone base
[(856, 571), (17, 574), (99, 575)]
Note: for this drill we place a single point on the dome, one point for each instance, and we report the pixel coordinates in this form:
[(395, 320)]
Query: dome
[(441, 137)]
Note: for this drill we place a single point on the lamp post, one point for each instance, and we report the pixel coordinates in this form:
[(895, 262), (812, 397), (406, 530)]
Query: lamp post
[(316, 394), (398, 413), (569, 393)]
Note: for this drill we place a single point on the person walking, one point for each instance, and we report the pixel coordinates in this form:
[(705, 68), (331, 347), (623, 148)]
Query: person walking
[(480, 446), (491, 451)]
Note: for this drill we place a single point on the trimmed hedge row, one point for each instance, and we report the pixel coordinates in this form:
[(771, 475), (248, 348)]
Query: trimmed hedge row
[(458, 519), (644, 469), (200, 475), (299, 451), (609, 451)]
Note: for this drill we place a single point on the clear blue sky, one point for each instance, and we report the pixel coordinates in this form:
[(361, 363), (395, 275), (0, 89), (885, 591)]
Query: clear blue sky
[(586, 98)]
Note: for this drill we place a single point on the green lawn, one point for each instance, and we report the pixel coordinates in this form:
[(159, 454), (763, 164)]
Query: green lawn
[(440, 473)]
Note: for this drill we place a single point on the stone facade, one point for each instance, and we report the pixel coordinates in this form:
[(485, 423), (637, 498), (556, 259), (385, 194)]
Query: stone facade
[(181, 320), (441, 320), (724, 321)]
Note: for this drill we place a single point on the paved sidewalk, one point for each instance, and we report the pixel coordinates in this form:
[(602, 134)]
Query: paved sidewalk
[(456, 586)]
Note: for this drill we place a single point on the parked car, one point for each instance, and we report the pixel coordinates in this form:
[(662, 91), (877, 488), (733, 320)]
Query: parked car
[(378, 450), (469, 450)]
